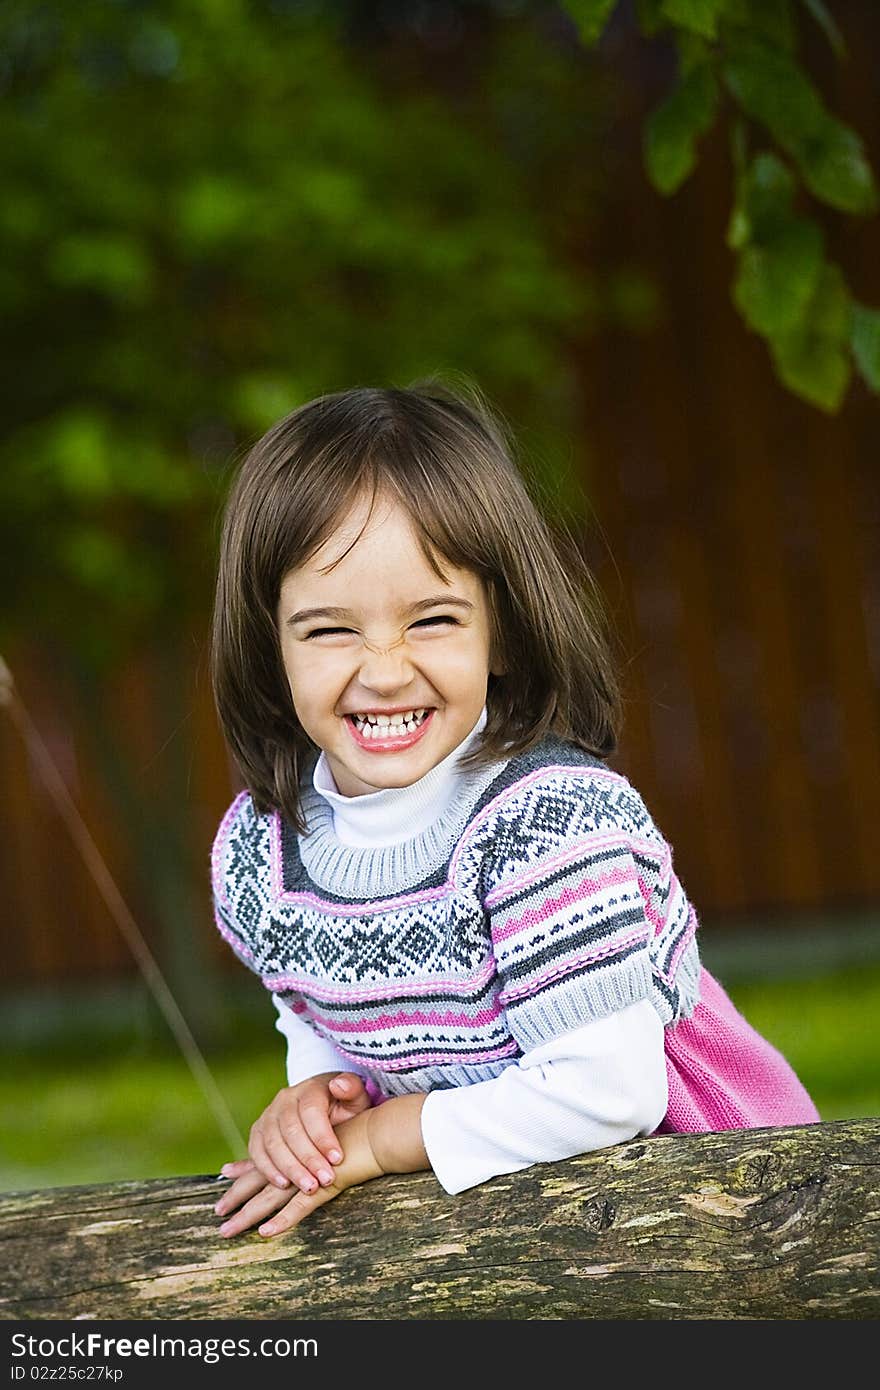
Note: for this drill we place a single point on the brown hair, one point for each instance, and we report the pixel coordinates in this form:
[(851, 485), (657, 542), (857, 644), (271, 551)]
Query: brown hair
[(445, 456)]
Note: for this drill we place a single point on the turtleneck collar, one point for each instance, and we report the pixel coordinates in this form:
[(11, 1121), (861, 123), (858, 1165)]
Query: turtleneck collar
[(394, 814)]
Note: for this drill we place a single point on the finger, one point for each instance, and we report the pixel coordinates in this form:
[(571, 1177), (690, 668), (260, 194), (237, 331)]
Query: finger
[(321, 1136), (236, 1168), (346, 1085), (260, 1205), (241, 1191), (296, 1210), (264, 1161), (293, 1152)]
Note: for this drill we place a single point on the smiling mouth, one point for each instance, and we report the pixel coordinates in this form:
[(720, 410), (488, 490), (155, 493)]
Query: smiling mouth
[(388, 736)]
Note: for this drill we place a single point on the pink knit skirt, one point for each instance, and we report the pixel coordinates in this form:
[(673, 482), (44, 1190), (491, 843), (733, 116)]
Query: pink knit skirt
[(724, 1075)]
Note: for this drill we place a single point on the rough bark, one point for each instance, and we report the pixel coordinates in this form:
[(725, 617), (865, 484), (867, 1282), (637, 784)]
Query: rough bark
[(772, 1223)]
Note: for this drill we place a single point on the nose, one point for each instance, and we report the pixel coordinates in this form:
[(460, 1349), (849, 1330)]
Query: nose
[(385, 669)]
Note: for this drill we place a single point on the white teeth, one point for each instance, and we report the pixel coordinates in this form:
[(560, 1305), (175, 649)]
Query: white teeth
[(389, 726)]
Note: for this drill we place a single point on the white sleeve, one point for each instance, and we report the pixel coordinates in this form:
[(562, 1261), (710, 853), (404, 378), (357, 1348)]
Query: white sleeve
[(598, 1085), (307, 1053)]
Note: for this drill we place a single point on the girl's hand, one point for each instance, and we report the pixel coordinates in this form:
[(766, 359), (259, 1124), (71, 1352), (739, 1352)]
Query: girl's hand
[(254, 1202), (293, 1141)]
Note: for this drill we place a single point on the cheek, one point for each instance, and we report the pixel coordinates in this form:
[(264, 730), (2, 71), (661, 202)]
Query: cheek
[(460, 669), (301, 681), (314, 680)]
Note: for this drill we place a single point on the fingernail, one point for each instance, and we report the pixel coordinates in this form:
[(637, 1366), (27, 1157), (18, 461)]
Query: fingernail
[(307, 1186), (281, 1182), (335, 1156), (225, 1228), (325, 1176), (267, 1230), (218, 1209)]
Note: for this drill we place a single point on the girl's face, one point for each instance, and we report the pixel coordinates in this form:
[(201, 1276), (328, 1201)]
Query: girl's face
[(385, 650)]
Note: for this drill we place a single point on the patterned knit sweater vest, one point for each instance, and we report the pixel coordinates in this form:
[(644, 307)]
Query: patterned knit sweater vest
[(545, 897)]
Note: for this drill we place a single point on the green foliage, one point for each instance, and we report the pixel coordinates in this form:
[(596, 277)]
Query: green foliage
[(784, 287), (786, 290), (811, 357), (781, 258), (212, 213), (830, 157), (673, 129)]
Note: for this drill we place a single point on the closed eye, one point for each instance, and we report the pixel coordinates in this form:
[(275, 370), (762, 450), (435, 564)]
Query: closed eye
[(329, 631)]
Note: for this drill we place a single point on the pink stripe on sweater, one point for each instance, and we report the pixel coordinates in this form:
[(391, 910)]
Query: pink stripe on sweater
[(585, 848), (569, 897), (406, 1020)]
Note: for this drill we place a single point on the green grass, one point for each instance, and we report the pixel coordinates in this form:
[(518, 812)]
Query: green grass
[(103, 1120), (129, 1113)]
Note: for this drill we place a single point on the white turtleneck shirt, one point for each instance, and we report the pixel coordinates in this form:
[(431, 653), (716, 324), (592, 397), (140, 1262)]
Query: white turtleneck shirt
[(597, 1085)]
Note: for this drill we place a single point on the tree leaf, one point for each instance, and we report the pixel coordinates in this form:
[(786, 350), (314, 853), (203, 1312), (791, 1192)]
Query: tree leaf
[(864, 338), (836, 169), (777, 278), (781, 254), (700, 16), (766, 192), (772, 89), (830, 156), (672, 130), (590, 16), (812, 359), (818, 373)]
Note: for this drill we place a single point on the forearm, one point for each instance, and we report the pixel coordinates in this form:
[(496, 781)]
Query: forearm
[(598, 1085), (394, 1131)]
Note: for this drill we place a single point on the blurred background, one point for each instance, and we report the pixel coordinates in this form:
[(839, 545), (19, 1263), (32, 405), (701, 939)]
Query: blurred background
[(214, 211)]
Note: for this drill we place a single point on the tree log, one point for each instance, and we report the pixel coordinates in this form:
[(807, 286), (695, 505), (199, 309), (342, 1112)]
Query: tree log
[(753, 1224)]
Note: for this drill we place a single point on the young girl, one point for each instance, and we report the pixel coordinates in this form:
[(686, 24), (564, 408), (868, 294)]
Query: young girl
[(471, 928)]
